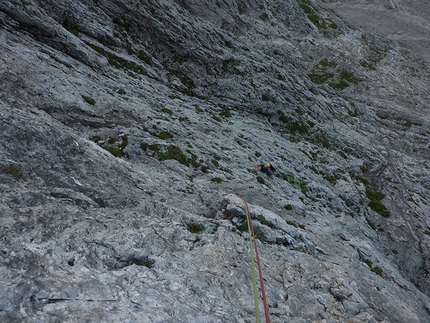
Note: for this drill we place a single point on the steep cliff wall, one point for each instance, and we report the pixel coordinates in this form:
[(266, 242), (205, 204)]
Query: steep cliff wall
[(125, 125)]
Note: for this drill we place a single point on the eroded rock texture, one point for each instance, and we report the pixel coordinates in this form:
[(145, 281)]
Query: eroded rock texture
[(125, 125)]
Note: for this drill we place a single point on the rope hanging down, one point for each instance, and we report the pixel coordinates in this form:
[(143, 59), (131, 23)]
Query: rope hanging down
[(252, 241)]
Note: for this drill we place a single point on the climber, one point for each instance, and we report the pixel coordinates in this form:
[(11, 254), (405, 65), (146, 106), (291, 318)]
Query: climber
[(265, 168)]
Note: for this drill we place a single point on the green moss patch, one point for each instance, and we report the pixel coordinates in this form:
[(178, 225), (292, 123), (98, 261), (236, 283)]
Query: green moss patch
[(294, 126), (198, 109), (174, 152), (114, 151), (377, 270), (289, 177), (344, 79), (326, 72), (98, 49), (226, 113), (70, 27), (217, 180), (216, 118), (144, 57), (194, 160), (230, 66), (122, 24), (149, 263), (262, 219), (124, 64), (115, 146), (376, 51), (164, 135), (13, 170), (195, 227), (375, 202), (89, 99), (166, 110), (324, 24)]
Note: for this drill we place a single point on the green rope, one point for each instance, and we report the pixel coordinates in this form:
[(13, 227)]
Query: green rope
[(254, 276), (252, 246)]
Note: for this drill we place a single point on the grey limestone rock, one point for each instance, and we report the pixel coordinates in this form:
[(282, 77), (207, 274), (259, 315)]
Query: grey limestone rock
[(129, 131)]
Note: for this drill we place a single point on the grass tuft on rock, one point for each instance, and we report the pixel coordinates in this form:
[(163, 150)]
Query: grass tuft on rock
[(174, 152), (166, 110), (226, 113), (13, 170), (377, 270), (89, 99), (262, 219), (165, 135), (144, 57), (148, 263), (115, 146), (70, 27), (375, 202), (114, 151), (217, 180), (289, 177), (195, 227), (260, 179)]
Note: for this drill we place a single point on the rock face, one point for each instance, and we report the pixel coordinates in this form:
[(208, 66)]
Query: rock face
[(126, 125)]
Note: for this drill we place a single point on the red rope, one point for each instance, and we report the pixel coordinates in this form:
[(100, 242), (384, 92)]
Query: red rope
[(260, 272)]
